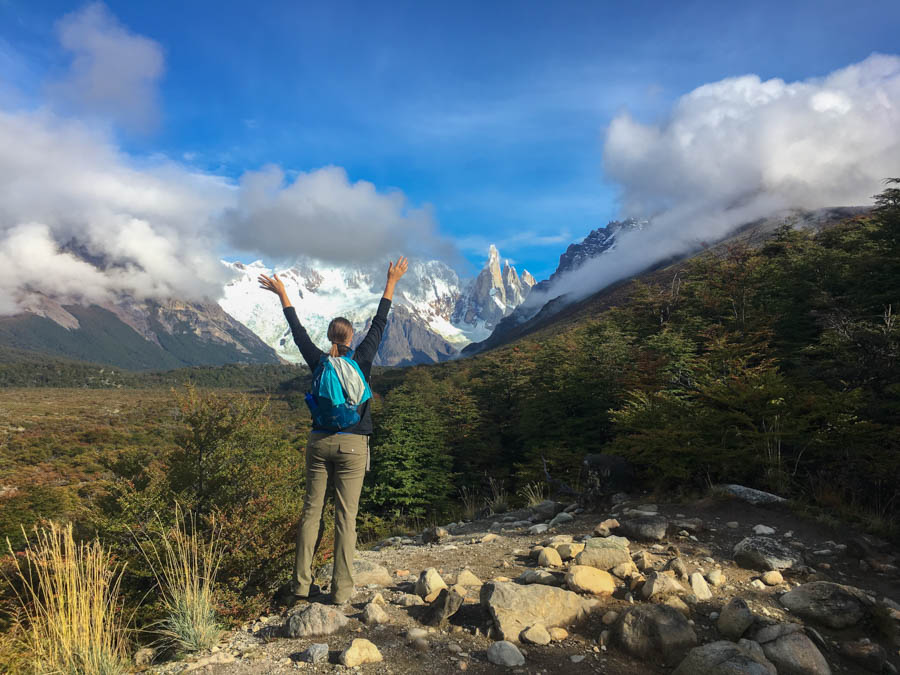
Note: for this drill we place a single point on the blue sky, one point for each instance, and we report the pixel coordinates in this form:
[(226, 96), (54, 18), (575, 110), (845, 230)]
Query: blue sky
[(494, 113)]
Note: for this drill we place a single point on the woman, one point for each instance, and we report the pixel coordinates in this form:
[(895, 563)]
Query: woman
[(335, 458)]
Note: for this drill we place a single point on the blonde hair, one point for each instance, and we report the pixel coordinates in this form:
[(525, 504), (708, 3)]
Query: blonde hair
[(340, 332)]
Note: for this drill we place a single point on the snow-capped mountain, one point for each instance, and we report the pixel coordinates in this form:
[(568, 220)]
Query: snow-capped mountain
[(433, 317)]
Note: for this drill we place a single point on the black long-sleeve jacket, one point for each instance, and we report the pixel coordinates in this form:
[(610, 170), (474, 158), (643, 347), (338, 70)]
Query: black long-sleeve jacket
[(364, 355)]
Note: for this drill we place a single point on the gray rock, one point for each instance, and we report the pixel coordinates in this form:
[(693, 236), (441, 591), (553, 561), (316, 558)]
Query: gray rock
[(539, 577), (546, 509), (315, 619), (315, 653), (833, 605), (752, 496), (505, 653), (540, 528), (514, 607), (792, 652), (561, 518), (654, 632), (734, 619), (648, 528), (446, 605), (677, 565), (723, 658), (763, 529), (765, 553), (693, 525)]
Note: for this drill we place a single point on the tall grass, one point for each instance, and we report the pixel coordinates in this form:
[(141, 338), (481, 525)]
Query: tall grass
[(533, 493), (469, 501), (185, 565), (498, 500), (69, 594)]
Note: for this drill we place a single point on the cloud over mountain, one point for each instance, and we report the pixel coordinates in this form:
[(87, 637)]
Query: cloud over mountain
[(741, 148)]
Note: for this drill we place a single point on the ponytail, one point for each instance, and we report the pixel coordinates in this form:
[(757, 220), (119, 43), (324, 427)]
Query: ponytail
[(340, 332)]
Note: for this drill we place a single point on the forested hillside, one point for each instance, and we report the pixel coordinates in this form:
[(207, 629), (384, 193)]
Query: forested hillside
[(770, 363)]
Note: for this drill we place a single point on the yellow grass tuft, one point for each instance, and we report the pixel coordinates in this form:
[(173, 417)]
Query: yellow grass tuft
[(185, 568), (69, 595)]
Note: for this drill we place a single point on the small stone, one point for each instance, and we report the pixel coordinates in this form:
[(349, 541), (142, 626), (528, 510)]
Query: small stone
[(576, 658), (488, 538), (763, 529), (505, 653), (677, 565), (660, 585), (536, 635), (430, 584), (772, 578), (360, 651), (408, 600), (675, 602), (378, 599), (624, 571), (610, 618), (315, 653), (715, 577), (540, 528), (539, 577), (700, 587), (549, 558), (415, 634), (315, 619), (374, 615), (420, 645), (557, 634), (732, 524), (569, 550), (758, 585)]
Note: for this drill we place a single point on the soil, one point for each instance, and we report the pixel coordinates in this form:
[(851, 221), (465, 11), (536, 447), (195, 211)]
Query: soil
[(463, 644)]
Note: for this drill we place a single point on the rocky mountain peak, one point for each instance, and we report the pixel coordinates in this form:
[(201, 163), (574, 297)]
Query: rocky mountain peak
[(494, 293)]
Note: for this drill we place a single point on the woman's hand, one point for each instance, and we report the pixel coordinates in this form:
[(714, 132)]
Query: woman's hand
[(276, 286), (393, 275)]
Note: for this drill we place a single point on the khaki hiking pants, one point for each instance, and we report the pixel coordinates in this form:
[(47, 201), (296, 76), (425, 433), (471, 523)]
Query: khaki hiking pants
[(339, 460)]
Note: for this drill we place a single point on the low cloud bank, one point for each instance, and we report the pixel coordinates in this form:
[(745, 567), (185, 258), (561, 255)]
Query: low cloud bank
[(740, 149)]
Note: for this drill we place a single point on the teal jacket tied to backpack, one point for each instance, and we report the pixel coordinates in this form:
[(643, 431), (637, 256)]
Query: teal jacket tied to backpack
[(338, 389)]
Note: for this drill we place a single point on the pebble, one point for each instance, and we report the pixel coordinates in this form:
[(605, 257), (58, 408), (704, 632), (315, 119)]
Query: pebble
[(763, 529), (576, 658), (772, 578), (732, 524)]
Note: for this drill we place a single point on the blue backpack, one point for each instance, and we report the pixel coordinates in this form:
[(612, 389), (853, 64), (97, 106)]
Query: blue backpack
[(338, 389)]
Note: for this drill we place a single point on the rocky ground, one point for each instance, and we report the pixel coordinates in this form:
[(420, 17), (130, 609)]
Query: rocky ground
[(717, 586)]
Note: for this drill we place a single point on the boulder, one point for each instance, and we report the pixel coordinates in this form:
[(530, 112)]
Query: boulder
[(430, 584), (604, 554), (359, 652), (735, 618), (765, 553), (514, 608), (560, 519), (833, 605), (655, 633), (792, 652), (315, 619), (648, 528), (569, 550), (505, 653), (585, 579), (723, 658), (751, 495)]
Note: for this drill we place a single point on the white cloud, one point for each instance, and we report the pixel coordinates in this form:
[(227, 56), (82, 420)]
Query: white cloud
[(81, 221), (739, 149), (114, 72), (321, 214)]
